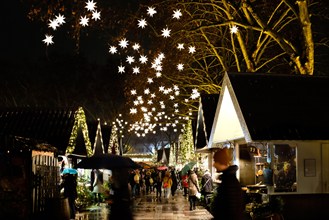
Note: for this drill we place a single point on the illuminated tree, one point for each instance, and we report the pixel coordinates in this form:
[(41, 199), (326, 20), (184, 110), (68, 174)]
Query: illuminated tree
[(186, 145)]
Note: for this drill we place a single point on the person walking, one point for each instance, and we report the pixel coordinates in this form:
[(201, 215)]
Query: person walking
[(70, 191), (193, 188), (166, 184), (228, 202), (185, 184), (207, 187), (98, 186), (174, 183), (158, 184)]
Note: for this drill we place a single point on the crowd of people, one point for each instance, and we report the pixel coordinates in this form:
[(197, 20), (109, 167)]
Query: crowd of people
[(224, 200)]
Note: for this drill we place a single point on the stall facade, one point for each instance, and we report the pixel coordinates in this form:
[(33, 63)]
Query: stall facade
[(278, 122)]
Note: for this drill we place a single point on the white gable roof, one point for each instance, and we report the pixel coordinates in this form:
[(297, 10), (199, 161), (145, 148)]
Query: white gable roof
[(228, 122)]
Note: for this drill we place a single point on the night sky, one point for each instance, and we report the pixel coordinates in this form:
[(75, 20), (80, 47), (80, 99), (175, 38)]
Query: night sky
[(33, 74)]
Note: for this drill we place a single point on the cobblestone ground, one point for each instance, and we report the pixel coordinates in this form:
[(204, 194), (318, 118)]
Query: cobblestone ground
[(149, 207)]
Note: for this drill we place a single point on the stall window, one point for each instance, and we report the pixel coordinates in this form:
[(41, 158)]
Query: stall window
[(284, 168)]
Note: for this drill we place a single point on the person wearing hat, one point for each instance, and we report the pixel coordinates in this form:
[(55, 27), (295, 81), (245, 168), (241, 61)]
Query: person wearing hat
[(228, 202)]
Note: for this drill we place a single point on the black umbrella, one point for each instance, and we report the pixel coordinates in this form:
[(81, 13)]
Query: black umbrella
[(107, 161)]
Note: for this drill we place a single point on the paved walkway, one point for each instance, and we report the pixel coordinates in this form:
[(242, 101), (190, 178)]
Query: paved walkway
[(149, 207)]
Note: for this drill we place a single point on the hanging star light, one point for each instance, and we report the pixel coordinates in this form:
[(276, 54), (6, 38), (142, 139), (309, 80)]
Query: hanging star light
[(151, 11), (90, 5), (150, 80), (191, 49), (84, 21), (96, 15), (142, 23), (136, 70), (133, 92), (48, 40), (53, 24), (60, 19), (165, 32), (136, 46), (113, 49), (142, 59), (234, 29), (180, 66), (133, 110), (180, 46), (177, 14), (121, 69), (130, 59), (123, 43)]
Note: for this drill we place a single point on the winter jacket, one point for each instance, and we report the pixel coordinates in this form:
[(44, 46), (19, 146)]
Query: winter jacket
[(207, 184), (193, 184), (228, 202)]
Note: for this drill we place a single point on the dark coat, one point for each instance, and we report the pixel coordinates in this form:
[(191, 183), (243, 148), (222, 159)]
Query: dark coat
[(207, 184), (228, 202), (70, 186)]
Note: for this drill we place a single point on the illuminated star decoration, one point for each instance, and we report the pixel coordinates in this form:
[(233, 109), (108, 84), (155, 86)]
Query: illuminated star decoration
[(48, 40), (90, 5), (84, 21), (177, 14), (151, 11), (142, 23), (143, 101)]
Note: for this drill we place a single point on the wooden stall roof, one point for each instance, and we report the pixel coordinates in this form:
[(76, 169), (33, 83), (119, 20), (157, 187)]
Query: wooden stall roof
[(206, 113), (53, 126), (282, 107)]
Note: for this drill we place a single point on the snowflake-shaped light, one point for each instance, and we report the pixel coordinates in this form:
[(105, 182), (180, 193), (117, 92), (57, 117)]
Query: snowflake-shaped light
[(191, 49), (136, 46), (121, 69), (234, 29), (123, 43), (165, 32), (147, 91), (84, 21), (60, 19), (143, 59), (53, 24), (90, 5), (180, 66), (113, 49), (149, 80), (96, 15), (142, 23), (177, 14), (133, 92), (151, 11), (48, 40)]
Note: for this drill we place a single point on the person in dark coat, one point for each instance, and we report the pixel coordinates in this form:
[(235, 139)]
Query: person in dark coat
[(70, 191), (174, 183), (228, 201), (207, 186), (121, 207)]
